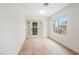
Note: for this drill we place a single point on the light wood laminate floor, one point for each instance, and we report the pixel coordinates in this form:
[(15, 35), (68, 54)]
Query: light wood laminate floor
[(43, 46)]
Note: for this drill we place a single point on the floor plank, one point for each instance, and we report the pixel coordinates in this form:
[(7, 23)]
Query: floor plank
[(43, 46)]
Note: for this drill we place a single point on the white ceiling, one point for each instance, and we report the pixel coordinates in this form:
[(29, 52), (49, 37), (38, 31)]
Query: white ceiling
[(33, 9)]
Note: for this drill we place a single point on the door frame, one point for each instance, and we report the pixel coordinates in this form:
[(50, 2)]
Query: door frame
[(28, 31)]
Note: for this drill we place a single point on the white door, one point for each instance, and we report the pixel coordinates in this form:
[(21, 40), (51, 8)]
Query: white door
[(34, 29)]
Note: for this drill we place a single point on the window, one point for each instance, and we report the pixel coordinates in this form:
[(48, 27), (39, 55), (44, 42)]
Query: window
[(34, 28), (60, 25)]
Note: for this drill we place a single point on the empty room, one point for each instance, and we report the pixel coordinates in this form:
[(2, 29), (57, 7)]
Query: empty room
[(39, 28)]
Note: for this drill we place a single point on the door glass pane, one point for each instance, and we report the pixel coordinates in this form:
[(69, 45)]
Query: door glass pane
[(34, 28)]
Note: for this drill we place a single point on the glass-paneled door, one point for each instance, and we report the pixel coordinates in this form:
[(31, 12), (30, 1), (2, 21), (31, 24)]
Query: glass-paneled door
[(34, 28)]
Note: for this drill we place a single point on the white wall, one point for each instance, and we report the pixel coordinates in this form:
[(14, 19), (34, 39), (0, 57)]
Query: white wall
[(72, 38), (12, 29), (44, 27)]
